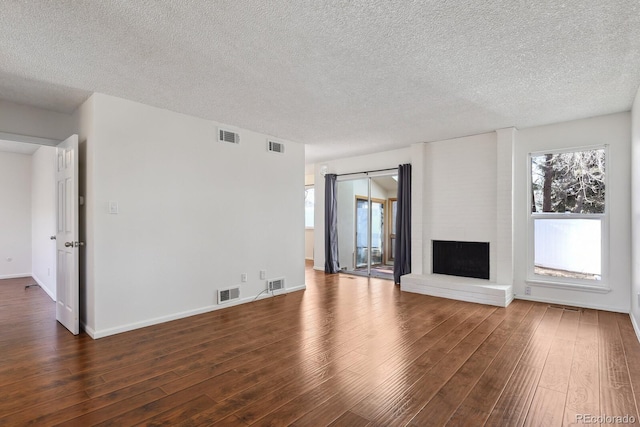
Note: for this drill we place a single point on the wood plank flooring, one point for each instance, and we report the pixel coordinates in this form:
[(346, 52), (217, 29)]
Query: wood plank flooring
[(348, 351)]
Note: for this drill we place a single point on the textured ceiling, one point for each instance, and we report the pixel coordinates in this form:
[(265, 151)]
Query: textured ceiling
[(344, 77)]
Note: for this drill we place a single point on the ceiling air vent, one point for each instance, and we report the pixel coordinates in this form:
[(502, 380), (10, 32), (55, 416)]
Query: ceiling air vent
[(276, 147), (226, 295), (228, 136), (275, 284)]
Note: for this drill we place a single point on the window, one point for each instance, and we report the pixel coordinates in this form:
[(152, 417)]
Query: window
[(568, 217), (309, 203)]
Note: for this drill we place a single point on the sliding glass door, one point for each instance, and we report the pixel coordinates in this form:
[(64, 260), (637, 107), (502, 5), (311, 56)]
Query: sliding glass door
[(365, 237)]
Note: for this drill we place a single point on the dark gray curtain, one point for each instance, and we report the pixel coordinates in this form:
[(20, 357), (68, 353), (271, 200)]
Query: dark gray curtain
[(330, 225), (402, 256)]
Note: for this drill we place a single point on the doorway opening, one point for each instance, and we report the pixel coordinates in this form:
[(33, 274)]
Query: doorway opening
[(44, 198)]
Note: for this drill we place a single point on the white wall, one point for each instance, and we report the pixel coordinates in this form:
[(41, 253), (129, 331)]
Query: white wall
[(635, 214), (613, 130), (15, 215), (43, 220), (193, 214), (32, 121), (383, 160)]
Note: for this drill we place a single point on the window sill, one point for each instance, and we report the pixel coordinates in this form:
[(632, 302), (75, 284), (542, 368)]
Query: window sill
[(309, 228), (571, 286)]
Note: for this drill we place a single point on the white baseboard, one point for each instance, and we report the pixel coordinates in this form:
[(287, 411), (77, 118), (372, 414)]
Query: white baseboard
[(315, 267), (43, 287), (636, 327), (458, 288), (88, 330), (572, 303), (162, 319), (15, 276)]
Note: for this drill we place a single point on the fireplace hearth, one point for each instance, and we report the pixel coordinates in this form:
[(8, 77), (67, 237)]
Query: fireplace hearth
[(463, 259)]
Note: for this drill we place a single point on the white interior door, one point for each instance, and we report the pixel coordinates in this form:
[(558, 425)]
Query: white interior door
[(67, 244)]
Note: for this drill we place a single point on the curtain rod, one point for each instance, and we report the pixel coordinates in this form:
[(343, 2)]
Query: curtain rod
[(368, 172)]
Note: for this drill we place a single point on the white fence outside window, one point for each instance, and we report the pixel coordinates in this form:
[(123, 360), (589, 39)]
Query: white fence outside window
[(569, 244)]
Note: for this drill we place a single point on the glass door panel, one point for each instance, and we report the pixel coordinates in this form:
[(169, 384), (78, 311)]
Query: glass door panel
[(377, 231), (362, 232), (353, 223)]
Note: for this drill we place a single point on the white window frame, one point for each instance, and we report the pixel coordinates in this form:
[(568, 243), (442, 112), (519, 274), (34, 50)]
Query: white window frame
[(600, 286)]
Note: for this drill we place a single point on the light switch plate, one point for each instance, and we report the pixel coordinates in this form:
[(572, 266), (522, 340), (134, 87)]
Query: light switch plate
[(113, 207)]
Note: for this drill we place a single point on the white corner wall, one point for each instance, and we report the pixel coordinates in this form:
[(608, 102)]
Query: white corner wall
[(43, 219), (15, 215), (635, 214), (613, 130), (194, 214), (383, 160)]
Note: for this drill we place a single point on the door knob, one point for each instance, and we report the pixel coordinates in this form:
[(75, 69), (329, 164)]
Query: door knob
[(52, 237), (68, 244)]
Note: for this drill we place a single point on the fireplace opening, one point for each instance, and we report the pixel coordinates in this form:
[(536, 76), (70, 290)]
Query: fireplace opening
[(464, 259)]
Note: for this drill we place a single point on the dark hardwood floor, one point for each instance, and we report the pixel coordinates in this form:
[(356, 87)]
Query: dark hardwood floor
[(347, 351)]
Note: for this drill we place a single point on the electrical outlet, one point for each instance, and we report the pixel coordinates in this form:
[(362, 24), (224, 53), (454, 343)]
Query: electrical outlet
[(527, 290), (263, 274), (9, 259), (243, 277)]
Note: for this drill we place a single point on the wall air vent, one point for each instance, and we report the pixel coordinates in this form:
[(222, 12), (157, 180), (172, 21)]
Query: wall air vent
[(275, 284), (275, 147), (226, 295), (228, 136)]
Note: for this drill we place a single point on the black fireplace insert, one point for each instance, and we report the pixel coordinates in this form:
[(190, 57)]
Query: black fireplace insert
[(464, 259)]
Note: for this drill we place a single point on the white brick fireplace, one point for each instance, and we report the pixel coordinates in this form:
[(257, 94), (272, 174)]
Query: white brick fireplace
[(462, 190)]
